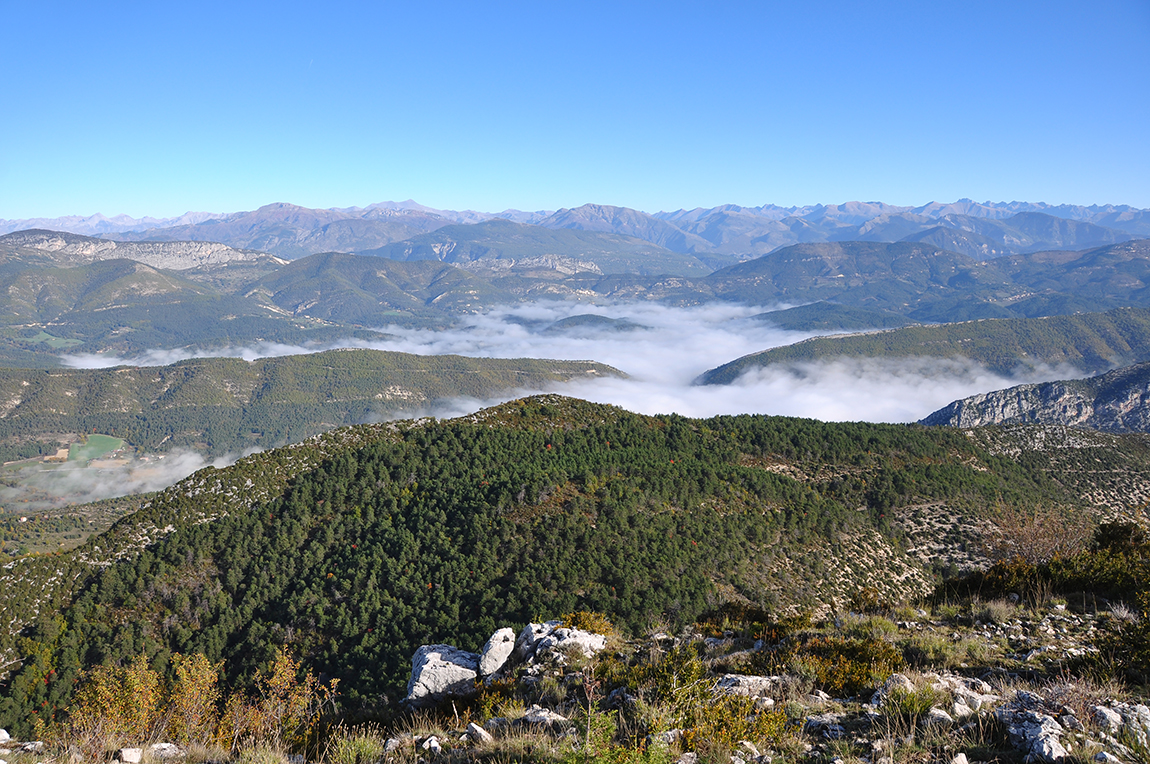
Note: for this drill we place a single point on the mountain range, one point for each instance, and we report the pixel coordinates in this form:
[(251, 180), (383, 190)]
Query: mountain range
[(718, 235)]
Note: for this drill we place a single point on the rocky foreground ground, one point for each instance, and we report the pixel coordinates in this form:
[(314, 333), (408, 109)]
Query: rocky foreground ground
[(977, 682)]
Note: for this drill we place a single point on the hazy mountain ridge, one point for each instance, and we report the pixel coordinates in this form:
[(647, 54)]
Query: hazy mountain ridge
[(498, 244), (1117, 401), (292, 231), (72, 249), (726, 231)]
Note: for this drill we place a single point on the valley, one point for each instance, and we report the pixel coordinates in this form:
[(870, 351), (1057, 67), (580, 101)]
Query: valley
[(323, 453)]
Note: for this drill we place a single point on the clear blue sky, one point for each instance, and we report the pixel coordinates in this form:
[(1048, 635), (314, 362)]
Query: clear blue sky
[(160, 108)]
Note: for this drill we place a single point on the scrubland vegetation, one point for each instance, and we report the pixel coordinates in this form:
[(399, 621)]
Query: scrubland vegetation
[(272, 608)]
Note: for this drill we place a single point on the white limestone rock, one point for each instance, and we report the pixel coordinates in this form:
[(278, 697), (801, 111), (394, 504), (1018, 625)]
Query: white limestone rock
[(496, 652), (439, 672), (748, 685)]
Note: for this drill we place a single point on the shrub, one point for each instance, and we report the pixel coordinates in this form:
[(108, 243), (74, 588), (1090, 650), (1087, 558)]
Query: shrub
[(836, 665), (192, 699), (115, 705), (995, 611), (355, 748), (588, 620)]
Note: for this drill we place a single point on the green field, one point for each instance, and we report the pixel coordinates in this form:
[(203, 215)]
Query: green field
[(55, 342), (96, 446)]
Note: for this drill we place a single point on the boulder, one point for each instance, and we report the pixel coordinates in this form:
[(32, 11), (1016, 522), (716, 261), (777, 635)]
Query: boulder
[(531, 634), (826, 725), (439, 672), (496, 652), (1033, 733), (893, 682), (937, 716), (748, 685), (129, 755), (537, 716), (4, 736), (164, 751), (477, 733)]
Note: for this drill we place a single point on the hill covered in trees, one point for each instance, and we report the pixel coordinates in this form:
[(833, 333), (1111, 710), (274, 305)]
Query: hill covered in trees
[(221, 405), (1092, 342), (354, 548)]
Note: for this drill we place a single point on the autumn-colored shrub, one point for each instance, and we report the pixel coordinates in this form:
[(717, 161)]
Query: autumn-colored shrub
[(115, 705), (192, 700), (841, 667), (285, 714), (588, 620)]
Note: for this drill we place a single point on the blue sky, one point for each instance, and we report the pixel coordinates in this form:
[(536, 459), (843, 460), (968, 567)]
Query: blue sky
[(160, 108)]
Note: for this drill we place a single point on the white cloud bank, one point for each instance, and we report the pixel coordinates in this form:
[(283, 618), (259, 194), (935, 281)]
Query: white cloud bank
[(665, 357), (41, 486)]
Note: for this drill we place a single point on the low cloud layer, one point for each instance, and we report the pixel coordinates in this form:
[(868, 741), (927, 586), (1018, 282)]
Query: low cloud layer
[(664, 357), (40, 486)]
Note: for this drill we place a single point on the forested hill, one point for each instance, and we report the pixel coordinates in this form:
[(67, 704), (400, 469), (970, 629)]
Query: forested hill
[(1092, 342), (354, 548), (221, 405)]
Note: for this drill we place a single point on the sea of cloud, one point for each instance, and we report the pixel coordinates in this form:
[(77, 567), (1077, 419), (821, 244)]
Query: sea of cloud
[(663, 358)]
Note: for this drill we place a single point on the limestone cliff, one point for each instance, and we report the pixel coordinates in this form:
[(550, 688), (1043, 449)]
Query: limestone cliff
[(1117, 401)]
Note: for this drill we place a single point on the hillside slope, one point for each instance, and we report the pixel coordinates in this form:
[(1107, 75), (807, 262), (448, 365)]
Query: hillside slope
[(222, 405), (1092, 342), (355, 547)]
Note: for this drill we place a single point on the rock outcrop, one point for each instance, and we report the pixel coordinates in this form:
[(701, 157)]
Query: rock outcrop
[(1117, 401), (439, 672)]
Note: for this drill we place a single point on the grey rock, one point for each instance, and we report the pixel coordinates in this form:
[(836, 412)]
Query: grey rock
[(1116, 401), (937, 716), (893, 682), (439, 672), (688, 758), (827, 725), (562, 640), (165, 751), (392, 745), (477, 733), (959, 758), (1033, 733), (497, 724), (530, 636), (666, 738), (537, 716), (496, 652), (748, 685), (1106, 758), (1107, 718), (432, 745)]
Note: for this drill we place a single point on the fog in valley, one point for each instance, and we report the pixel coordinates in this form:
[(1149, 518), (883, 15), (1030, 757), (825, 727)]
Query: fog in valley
[(661, 349)]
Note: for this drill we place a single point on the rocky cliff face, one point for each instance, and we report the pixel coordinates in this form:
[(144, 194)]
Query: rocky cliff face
[(1118, 401), (172, 255)]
